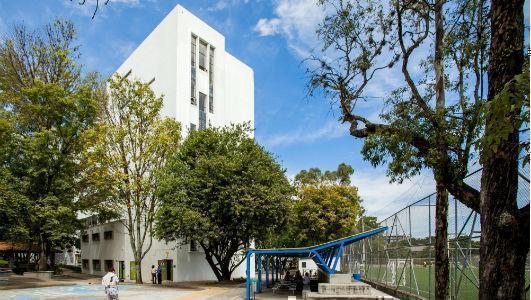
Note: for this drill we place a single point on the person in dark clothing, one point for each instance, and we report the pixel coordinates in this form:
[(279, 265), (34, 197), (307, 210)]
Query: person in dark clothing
[(159, 274), (299, 281)]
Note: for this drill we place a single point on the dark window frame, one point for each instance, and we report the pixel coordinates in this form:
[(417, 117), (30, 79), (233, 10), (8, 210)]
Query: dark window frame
[(94, 265), (203, 55), (96, 237), (108, 235), (193, 246), (85, 264)]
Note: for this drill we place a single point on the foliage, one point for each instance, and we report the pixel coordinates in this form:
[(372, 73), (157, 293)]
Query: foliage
[(325, 213), (315, 175), (326, 208), (46, 107), (131, 145), (224, 191), (513, 98)]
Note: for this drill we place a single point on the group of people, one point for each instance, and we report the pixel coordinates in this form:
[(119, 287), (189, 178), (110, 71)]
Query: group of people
[(298, 279), (156, 274)]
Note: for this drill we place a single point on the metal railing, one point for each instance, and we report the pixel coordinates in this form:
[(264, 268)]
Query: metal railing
[(402, 258)]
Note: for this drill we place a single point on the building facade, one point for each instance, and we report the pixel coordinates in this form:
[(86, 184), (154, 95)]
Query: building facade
[(203, 86)]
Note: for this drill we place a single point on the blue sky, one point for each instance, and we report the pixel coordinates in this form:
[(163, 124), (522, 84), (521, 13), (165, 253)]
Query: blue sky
[(273, 37)]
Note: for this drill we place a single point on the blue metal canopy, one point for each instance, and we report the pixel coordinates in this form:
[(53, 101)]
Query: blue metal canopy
[(326, 255)]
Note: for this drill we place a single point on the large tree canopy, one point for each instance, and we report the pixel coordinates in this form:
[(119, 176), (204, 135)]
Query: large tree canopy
[(46, 108), (223, 191), (326, 207)]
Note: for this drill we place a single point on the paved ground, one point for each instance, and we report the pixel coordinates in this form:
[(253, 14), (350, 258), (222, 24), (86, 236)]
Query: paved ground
[(127, 291), (78, 286)]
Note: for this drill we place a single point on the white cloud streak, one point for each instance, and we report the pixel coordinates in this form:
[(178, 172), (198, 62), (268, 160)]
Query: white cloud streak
[(330, 130), (296, 21)]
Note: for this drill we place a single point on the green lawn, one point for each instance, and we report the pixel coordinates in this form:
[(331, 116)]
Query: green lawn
[(426, 283)]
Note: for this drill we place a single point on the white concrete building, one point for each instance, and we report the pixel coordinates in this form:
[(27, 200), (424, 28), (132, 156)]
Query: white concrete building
[(185, 60)]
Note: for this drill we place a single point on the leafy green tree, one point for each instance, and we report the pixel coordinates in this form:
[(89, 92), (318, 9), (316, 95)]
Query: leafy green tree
[(325, 212), (315, 175), (132, 145), (46, 106), (223, 191), (419, 127), (326, 207)]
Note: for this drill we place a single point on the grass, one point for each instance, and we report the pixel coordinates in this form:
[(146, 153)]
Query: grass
[(426, 282)]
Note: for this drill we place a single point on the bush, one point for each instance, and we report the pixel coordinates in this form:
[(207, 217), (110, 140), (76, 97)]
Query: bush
[(4, 263)]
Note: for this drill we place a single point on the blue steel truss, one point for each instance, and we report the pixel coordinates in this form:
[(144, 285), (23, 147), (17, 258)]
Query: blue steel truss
[(326, 256)]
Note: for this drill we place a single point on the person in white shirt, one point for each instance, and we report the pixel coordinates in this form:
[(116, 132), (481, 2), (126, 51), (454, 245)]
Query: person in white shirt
[(306, 279), (110, 282)]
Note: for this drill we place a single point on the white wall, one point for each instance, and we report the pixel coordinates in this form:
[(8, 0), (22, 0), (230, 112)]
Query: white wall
[(165, 56), (187, 265)]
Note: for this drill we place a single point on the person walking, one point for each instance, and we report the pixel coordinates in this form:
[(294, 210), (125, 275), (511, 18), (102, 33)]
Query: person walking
[(153, 274), (110, 282)]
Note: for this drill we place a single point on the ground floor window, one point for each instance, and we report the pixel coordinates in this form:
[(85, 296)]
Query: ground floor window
[(108, 265), (85, 264), (96, 265)]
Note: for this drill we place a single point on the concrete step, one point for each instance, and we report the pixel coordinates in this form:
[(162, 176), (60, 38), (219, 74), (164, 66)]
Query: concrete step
[(315, 296), (354, 288)]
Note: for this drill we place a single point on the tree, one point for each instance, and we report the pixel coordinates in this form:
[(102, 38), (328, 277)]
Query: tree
[(223, 191), (420, 128), (326, 207), (504, 227), (315, 175), (132, 145), (46, 107)]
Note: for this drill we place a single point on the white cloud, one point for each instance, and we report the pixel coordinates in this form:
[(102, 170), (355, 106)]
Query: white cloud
[(330, 130), (381, 198), (222, 4), (296, 21), (267, 27)]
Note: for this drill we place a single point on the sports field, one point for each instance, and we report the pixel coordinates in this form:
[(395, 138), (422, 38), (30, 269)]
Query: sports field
[(461, 284)]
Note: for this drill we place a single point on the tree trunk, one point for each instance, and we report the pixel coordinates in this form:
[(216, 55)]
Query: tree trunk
[(441, 243), (213, 266), (138, 262), (504, 229), (441, 207), (43, 259)]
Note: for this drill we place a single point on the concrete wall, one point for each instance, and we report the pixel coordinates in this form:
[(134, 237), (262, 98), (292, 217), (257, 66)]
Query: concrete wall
[(187, 265), (165, 55)]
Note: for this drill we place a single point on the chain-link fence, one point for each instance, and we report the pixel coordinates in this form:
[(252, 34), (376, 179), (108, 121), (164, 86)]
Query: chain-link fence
[(403, 257)]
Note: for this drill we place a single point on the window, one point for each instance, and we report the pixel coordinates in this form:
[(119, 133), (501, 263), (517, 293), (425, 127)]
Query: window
[(193, 246), (202, 112), (107, 235), (85, 238), (192, 127), (95, 237), (211, 80), (202, 55), (96, 265), (108, 265), (85, 264), (303, 264), (193, 70)]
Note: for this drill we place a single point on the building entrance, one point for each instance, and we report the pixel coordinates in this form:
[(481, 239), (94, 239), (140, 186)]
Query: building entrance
[(167, 269)]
